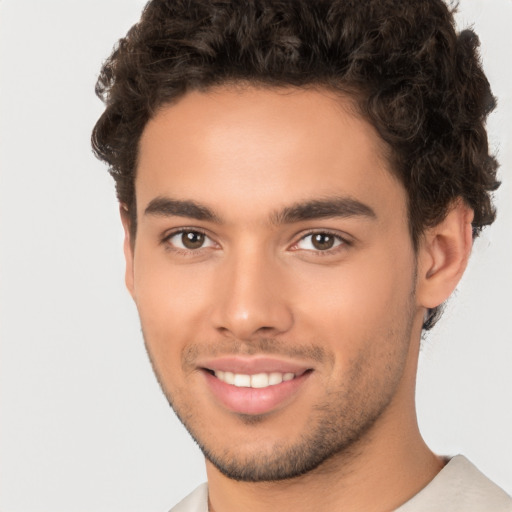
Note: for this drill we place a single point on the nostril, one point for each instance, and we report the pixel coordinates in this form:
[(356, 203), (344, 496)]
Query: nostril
[(243, 319)]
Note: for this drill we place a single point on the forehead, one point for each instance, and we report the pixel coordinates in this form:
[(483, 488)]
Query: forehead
[(234, 147)]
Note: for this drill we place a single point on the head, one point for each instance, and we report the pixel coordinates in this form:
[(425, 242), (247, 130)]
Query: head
[(383, 85), (417, 82)]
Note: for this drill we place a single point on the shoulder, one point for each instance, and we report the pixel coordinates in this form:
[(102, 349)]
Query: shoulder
[(460, 487), (196, 501)]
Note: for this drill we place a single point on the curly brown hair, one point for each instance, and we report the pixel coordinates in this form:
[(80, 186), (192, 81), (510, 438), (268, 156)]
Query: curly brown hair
[(417, 81)]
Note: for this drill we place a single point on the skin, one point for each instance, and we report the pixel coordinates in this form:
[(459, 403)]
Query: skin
[(351, 314)]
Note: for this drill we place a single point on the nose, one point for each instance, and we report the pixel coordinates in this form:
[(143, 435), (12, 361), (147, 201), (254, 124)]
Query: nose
[(251, 298)]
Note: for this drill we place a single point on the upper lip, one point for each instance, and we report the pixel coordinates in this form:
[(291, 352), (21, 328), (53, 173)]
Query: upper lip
[(253, 365)]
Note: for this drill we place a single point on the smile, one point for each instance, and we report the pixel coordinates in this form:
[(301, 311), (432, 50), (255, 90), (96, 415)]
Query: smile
[(254, 386), (258, 380)]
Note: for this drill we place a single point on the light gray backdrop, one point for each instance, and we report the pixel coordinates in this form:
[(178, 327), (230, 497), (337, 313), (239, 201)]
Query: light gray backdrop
[(84, 426)]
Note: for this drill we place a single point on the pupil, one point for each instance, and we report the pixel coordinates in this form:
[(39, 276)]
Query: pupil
[(323, 241), (192, 239)]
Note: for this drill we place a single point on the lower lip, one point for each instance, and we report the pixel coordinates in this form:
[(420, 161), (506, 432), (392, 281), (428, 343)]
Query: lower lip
[(255, 401)]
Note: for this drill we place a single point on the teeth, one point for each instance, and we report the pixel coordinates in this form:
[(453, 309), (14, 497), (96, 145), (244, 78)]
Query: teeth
[(275, 378), (242, 381), (258, 380)]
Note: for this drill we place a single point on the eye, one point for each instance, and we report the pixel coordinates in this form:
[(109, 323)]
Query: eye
[(320, 241), (189, 240)]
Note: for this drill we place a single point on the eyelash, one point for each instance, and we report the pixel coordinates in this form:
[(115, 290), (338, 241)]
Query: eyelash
[(342, 244), (178, 250)]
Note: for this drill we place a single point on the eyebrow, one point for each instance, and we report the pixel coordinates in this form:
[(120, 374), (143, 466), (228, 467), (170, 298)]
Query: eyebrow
[(167, 207), (315, 209), (323, 208)]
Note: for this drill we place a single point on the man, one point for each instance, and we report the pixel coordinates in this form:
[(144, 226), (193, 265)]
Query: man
[(300, 185)]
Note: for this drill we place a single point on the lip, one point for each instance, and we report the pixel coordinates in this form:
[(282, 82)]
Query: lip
[(254, 401), (253, 365)]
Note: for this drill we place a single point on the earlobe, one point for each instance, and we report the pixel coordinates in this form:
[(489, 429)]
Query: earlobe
[(443, 256), (128, 248)]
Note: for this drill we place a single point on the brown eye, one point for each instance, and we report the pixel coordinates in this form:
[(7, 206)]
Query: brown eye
[(192, 239), (189, 240), (322, 241)]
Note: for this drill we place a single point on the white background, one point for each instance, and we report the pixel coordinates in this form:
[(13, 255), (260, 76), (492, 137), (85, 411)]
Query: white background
[(84, 426)]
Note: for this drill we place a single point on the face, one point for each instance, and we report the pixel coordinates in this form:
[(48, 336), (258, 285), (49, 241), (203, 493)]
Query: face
[(274, 276)]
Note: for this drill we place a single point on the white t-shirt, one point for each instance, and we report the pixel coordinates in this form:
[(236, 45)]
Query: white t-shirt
[(458, 487)]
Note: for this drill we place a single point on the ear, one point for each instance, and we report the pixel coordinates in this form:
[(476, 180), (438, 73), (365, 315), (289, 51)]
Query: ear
[(443, 256), (128, 248)]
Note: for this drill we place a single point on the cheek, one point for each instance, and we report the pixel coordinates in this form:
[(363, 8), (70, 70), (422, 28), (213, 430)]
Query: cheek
[(164, 290), (362, 290), (367, 323), (170, 301), (380, 292), (357, 303)]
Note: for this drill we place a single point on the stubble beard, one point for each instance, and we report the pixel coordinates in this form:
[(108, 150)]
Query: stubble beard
[(339, 425), (338, 428), (334, 434)]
